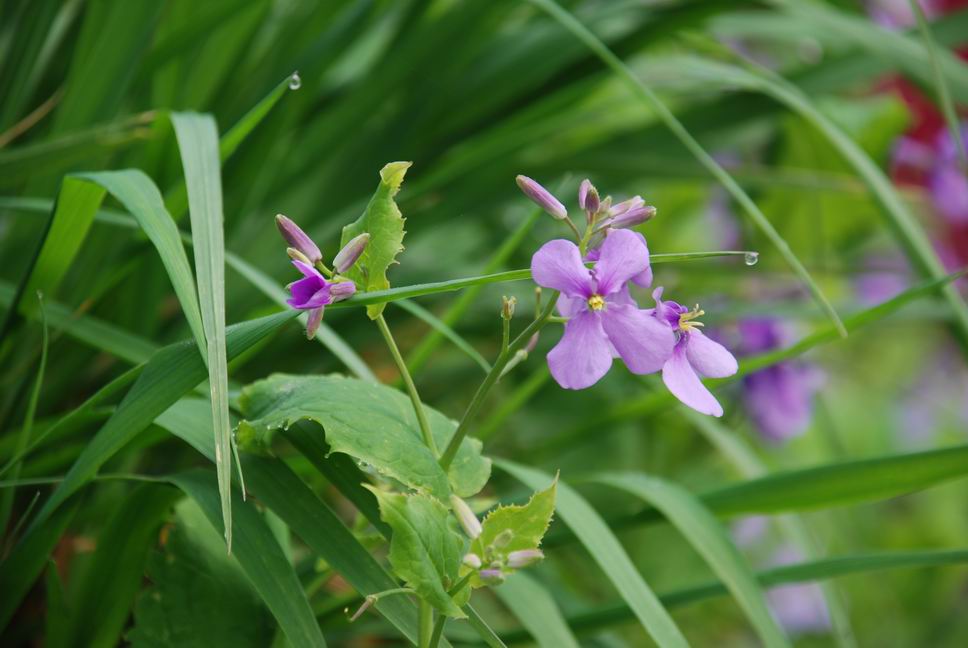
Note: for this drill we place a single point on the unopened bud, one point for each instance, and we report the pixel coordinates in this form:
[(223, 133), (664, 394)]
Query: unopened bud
[(504, 538), (491, 576), (351, 252), (296, 238), (296, 255), (466, 517), (542, 197), (532, 343), (588, 198), (633, 217), (507, 307), (473, 561), (524, 558), (626, 205)]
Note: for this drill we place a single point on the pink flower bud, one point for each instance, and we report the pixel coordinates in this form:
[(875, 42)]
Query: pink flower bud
[(633, 217), (298, 239), (588, 198), (491, 576), (542, 197), (466, 517), (472, 560), (524, 558), (351, 252)]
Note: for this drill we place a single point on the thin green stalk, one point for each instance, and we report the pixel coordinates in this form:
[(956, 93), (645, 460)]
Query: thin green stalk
[(425, 624), (491, 379), (441, 618), (426, 433)]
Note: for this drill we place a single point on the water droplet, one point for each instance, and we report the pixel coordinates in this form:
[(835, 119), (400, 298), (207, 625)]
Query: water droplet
[(750, 258), (295, 82)]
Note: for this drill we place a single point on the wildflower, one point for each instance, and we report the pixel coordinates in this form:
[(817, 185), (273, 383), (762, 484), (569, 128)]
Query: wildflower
[(542, 197), (298, 239), (629, 213), (351, 252), (604, 320), (694, 355), (642, 279), (468, 521), (524, 558), (779, 398), (313, 292)]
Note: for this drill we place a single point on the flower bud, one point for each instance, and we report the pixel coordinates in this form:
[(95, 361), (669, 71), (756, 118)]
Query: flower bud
[(633, 217), (507, 307), (340, 290), (312, 324), (298, 239), (625, 205), (473, 561), (351, 252), (542, 197), (504, 538), (588, 198), (491, 576), (524, 558), (466, 517), (532, 343), (296, 255)]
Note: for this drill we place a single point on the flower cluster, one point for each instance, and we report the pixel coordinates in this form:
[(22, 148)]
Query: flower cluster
[(603, 319), (315, 291)]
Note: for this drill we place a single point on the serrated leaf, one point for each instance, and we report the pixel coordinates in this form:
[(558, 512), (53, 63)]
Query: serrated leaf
[(513, 528), (384, 222), (426, 549), (372, 423)]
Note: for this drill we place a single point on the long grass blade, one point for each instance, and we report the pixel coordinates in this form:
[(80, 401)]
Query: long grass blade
[(535, 607), (198, 142)]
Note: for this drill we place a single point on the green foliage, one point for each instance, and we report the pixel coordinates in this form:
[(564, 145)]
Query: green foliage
[(426, 547), (371, 423), (383, 221)]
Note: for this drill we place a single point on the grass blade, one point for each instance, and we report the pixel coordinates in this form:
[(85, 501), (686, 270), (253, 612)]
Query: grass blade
[(604, 547), (535, 607), (645, 93), (710, 539), (198, 142)]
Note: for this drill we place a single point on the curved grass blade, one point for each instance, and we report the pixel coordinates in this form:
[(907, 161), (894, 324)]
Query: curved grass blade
[(604, 547), (643, 92), (535, 607), (710, 540), (429, 318), (198, 142), (261, 557)]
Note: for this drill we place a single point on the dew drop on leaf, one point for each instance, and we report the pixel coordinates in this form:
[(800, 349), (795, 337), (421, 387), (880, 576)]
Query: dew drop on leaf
[(751, 258), (295, 82)]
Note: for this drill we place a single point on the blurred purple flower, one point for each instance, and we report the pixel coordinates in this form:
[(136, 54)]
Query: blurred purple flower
[(604, 321), (800, 608), (313, 293), (947, 181), (779, 398), (897, 15), (694, 355)]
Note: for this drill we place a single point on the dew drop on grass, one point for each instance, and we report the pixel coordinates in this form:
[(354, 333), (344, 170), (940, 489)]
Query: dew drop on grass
[(750, 258), (295, 82)]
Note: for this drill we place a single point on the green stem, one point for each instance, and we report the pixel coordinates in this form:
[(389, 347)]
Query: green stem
[(425, 625), (428, 437), (441, 618), (491, 378)]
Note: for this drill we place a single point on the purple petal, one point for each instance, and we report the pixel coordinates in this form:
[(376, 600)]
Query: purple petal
[(571, 306), (342, 290), (623, 256), (709, 358), (642, 341), (582, 356), (310, 292), (682, 381), (306, 270), (558, 265), (312, 324), (949, 191)]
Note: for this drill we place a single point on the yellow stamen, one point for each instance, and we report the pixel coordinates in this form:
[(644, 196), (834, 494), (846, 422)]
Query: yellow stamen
[(686, 322), (596, 302)]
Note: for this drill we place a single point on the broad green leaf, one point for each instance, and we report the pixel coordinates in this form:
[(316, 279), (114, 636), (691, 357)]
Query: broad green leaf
[(710, 540), (606, 550), (104, 597), (198, 142), (261, 558), (513, 528), (303, 511), (199, 595), (372, 423), (426, 548), (384, 223), (535, 607)]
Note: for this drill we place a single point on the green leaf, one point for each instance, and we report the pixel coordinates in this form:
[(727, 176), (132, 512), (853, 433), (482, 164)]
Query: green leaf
[(199, 595), (426, 549), (371, 423), (535, 607), (109, 583), (608, 553), (57, 623), (519, 527), (710, 539), (261, 558), (384, 222), (198, 142)]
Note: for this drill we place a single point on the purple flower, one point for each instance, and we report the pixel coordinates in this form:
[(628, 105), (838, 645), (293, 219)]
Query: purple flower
[(694, 355), (313, 292), (644, 278), (779, 398), (604, 320), (800, 607)]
